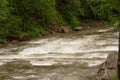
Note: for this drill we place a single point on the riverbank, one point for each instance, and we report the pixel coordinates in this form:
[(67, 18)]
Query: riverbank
[(84, 26)]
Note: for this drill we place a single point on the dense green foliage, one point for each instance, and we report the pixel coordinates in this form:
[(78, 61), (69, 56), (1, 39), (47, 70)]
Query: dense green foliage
[(37, 16), (69, 9)]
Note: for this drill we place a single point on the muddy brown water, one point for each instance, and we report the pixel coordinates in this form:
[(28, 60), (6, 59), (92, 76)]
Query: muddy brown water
[(73, 56)]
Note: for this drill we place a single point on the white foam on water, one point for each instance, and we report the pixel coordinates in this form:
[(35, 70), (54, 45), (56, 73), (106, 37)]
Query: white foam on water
[(90, 63), (104, 42), (1, 63), (65, 48), (95, 63), (71, 46), (108, 48), (19, 77), (45, 79), (69, 56), (42, 63), (105, 30), (38, 41), (61, 45), (32, 76), (117, 33), (95, 55), (116, 43), (5, 60)]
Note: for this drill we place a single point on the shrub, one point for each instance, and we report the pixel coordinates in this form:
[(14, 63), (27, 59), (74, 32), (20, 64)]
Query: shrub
[(69, 9)]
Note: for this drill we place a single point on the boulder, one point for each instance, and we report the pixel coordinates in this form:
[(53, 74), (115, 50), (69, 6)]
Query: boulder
[(56, 28), (65, 29), (24, 37), (43, 33), (78, 28), (53, 32), (107, 70), (111, 61)]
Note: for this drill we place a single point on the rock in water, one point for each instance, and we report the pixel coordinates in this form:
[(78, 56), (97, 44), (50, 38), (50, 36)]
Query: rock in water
[(108, 69), (65, 29), (78, 28)]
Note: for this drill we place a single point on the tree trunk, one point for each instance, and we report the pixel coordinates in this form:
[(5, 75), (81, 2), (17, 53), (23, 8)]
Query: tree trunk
[(119, 58)]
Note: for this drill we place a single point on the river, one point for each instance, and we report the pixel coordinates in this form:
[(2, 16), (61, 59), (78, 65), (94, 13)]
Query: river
[(67, 56)]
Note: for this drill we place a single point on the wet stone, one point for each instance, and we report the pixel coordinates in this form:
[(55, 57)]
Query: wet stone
[(111, 61), (108, 69)]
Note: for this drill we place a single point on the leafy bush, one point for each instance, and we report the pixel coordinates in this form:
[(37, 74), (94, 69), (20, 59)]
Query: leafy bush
[(34, 16), (34, 29), (69, 9), (4, 12), (74, 22), (105, 9)]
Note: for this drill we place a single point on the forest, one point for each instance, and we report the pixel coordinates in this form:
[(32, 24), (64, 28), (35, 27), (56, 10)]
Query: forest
[(39, 16)]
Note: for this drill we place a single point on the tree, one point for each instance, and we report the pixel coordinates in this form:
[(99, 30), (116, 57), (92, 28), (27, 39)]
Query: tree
[(69, 9), (4, 12), (119, 56)]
